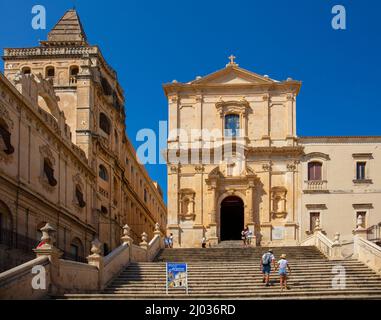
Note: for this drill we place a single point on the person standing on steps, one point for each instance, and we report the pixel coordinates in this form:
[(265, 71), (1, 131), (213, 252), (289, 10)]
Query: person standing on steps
[(283, 266), (266, 261), (203, 242), (245, 233), (249, 237), (166, 242), (170, 240)]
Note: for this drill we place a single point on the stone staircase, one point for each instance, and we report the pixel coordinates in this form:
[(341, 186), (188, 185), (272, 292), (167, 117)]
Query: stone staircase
[(233, 272)]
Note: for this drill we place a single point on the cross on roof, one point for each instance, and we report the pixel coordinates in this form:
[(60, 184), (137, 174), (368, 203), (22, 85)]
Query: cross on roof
[(232, 62)]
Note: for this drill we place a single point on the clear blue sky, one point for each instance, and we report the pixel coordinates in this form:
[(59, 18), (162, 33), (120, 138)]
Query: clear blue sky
[(153, 42)]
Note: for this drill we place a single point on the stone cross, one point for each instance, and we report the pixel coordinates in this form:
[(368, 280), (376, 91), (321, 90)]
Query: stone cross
[(231, 58)]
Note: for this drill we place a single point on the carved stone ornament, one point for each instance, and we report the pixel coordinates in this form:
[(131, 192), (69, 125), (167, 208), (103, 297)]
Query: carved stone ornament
[(187, 204), (278, 202)]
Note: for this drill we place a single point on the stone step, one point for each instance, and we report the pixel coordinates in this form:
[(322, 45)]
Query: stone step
[(234, 273)]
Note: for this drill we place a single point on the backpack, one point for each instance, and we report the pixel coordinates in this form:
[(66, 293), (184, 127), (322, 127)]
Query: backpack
[(266, 258)]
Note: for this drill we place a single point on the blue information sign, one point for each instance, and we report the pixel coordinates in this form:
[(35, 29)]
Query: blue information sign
[(177, 276)]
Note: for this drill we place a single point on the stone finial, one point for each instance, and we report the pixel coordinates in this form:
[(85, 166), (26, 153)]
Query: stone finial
[(317, 225), (360, 230), (144, 243), (96, 247), (126, 235), (47, 235), (157, 231), (360, 222), (144, 237), (336, 239)]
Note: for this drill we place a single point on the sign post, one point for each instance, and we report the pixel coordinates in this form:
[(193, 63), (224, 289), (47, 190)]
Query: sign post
[(176, 276)]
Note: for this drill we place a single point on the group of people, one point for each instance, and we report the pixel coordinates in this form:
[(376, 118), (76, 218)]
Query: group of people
[(168, 241), (247, 236), (282, 266)]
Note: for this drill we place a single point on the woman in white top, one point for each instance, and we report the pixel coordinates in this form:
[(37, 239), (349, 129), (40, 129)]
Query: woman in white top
[(283, 266)]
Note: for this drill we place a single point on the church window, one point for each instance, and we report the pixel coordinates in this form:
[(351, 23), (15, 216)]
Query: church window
[(103, 173), (74, 70), (314, 171), (104, 123), (49, 172), (49, 72), (26, 70), (231, 125), (5, 136)]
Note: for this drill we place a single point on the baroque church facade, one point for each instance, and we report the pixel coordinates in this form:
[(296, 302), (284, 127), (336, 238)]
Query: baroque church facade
[(65, 157), (235, 161)]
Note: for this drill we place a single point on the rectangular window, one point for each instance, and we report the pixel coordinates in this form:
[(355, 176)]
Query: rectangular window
[(314, 171), (360, 170), (145, 195), (313, 217)]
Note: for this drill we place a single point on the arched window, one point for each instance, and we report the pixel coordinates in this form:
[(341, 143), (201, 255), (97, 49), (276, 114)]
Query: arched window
[(76, 250), (103, 173), (74, 70), (315, 171), (5, 138), (49, 72), (231, 125), (26, 70), (79, 196), (104, 123), (49, 172)]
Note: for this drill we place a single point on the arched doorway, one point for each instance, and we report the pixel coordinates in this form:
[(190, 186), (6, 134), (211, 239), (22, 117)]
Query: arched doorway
[(232, 218)]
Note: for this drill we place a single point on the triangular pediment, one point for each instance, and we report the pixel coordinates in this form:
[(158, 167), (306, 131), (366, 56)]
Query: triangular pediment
[(233, 75)]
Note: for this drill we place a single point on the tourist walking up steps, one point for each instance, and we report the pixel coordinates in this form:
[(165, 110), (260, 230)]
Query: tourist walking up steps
[(283, 266), (266, 261)]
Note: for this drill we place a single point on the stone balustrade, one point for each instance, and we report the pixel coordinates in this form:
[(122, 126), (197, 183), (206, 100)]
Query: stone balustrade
[(65, 276), (331, 249)]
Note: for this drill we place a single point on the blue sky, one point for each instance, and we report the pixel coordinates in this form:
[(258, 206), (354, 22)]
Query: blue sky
[(152, 42)]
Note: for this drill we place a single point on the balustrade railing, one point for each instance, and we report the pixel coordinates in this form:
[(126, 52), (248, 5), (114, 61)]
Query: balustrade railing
[(315, 185)]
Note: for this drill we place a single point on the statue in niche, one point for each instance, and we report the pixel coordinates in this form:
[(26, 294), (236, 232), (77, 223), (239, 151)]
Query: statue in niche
[(278, 197), (187, 204)]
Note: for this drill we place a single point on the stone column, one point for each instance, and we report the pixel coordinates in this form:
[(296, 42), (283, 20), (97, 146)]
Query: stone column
[(96, 259), (46, 248), (250, 204), (212, 237)]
